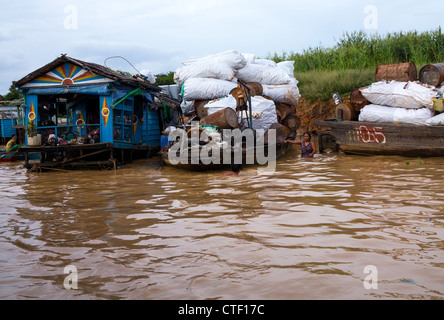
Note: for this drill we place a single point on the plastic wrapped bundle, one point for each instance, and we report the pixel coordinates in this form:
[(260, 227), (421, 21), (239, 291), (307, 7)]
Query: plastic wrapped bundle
[(385, 114)]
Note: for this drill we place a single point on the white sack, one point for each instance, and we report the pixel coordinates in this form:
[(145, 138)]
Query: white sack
[(249, 57), (263, 74), (385, 114), (220, 104), (149, 75), (171, 90), (206, 89), (187, 107), (233, 58), (287, 66), (204, 69), (263, 112), (436, 120), (399, 94), (287, 93), (265, 62)]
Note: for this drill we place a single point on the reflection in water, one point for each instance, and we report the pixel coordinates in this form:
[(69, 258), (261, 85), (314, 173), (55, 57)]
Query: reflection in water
[(152, 232)]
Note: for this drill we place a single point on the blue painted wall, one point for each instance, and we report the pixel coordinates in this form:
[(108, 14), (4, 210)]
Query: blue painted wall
[(6, 130), (151, 129), (146, 132)]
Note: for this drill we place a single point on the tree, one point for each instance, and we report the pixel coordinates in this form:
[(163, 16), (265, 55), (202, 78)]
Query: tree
[(165, 78), (13, 94)]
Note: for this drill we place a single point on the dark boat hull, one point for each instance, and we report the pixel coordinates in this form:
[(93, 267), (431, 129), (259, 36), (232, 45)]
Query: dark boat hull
[(15, 156), (281, 150), (368, 138)]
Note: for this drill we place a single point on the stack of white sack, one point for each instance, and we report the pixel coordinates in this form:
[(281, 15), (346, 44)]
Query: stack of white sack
[(263, 110), (410, 95), (277, 79), (215, 76), (388, 114), (208, 78), (398, 102)]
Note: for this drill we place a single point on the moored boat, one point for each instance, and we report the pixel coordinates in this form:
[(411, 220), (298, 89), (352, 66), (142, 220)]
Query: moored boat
[(370, 138), (13, 156), (253, 156)]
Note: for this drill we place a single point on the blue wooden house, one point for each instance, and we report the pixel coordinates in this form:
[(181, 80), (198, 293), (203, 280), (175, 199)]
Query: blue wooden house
[(11, 119), (82, 108)]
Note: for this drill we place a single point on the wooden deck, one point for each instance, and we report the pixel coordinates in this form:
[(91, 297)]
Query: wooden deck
[(80, 156)]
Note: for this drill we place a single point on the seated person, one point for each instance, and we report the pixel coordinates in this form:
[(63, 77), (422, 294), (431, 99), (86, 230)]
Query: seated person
[(70, 135), (12, 144)]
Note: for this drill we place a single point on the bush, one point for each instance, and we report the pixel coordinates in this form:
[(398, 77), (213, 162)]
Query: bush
[(165, 79)]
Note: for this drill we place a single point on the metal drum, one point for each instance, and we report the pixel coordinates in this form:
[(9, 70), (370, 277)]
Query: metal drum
[(398, 72), (432, 74)]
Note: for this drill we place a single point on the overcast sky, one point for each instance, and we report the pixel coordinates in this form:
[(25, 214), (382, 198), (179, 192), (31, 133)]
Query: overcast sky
[(159, 35)]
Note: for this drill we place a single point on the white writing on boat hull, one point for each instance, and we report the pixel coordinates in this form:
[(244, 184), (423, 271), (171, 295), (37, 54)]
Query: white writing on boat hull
[(367, 134)]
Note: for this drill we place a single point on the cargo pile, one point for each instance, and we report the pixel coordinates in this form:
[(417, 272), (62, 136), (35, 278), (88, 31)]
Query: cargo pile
[(210, 85), (398, 96)]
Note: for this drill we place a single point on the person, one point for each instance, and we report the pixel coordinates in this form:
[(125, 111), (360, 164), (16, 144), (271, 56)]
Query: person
[(12, 144), (235, 170), (308, 148)]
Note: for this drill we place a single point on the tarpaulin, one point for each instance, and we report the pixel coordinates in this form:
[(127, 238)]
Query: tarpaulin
[(136, 92), (101, 90)]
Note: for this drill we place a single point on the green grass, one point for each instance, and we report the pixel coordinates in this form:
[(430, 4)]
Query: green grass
[(319, 85), (358, 50)]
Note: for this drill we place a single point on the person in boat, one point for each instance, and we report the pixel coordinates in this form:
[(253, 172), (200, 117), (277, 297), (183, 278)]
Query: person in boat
[(308, 148), (12, 144), (235, 170)]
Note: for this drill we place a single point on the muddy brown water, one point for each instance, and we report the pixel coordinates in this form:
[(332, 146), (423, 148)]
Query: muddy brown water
[(149, 232)]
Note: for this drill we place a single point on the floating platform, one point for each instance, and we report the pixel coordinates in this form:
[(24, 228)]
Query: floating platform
[(81, 156)]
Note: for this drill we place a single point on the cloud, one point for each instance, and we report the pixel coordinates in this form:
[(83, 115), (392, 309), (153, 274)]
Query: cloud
[(159, 35)]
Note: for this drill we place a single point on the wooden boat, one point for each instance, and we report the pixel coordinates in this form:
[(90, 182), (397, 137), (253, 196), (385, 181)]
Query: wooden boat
[(205, 164), (369, 138), (13, 156)]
